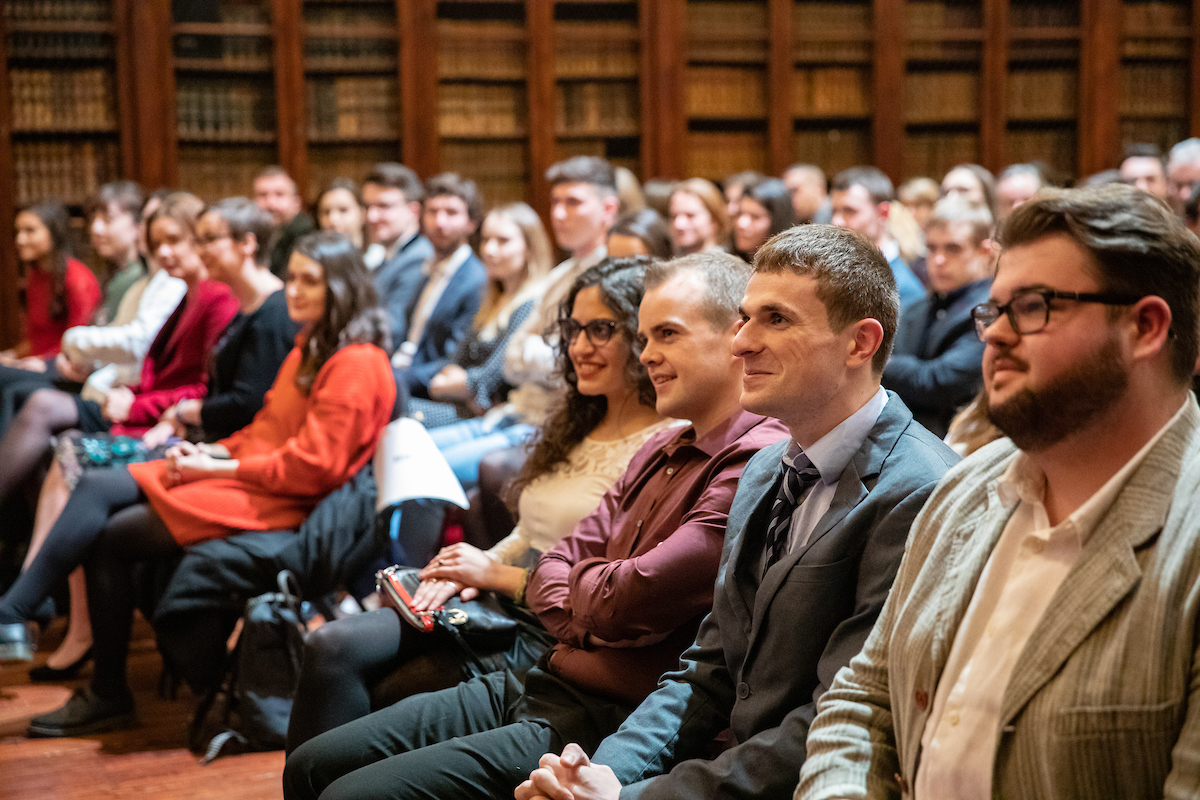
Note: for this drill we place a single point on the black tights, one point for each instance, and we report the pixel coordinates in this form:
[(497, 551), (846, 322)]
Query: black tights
[(45, 413), (106, 527)]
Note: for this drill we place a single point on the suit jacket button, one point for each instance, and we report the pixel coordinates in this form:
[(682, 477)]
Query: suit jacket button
[(743, 690), (921, 698)]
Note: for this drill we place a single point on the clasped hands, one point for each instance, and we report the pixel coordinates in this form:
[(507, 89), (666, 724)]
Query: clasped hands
[(187, 462), (457, 569), (571, 776)]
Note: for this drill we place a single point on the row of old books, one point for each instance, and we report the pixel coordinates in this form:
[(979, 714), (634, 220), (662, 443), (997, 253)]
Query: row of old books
[(347, 53), (501, 169), (595, 51), (1153, 89), (604, 108), (852, 18), (933, 153), (1042, 14), (831, 92), (727, 32), (225, 111), (482, 109), (64, 10), (62, 100), (339, 160), (492, 50), (212, 172), (1043, 94), (716, 155), (941, 96), (923, 15), (1156, 16), (366, 107), (69, 171), (726, 92), (23, 44), (381, 15)]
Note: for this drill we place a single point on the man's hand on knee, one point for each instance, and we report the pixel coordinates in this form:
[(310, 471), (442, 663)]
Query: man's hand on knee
[(571, 776)]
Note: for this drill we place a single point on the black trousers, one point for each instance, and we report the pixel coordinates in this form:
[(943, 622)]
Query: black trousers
[(479, 739)]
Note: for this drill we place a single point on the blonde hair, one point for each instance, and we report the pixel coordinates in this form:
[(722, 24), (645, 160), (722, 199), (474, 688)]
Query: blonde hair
[(713, 200), (538, 259), (971, 429), (902, 225)]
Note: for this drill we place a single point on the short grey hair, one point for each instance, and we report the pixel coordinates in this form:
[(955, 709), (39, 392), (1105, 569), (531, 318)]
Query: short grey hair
[(725, 279), (1187, 150)]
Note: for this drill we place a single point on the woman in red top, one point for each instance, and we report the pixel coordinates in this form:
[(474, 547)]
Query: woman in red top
[(174, 369), (60, 292), (332, 398)]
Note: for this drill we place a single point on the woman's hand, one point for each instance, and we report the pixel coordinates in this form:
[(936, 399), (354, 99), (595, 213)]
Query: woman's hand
[(463, 564), (31, 363), (434, 594), (158, 435), (69, 370), (450, 384), (186, 462), (117, 404), (187, 412)]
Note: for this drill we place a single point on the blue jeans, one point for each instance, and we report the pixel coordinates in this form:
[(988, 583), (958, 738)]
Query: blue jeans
[(465, 443)]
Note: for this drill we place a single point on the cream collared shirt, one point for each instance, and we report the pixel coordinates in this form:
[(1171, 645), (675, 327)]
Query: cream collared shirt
[(440, 274), (1028, 564)]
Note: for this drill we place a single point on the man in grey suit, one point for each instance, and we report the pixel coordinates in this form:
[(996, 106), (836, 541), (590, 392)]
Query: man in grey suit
[(392, 194), (814, 538), (1041, 638)]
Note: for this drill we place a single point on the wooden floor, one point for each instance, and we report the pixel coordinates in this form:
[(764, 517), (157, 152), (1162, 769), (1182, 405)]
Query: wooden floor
[(148, 761)]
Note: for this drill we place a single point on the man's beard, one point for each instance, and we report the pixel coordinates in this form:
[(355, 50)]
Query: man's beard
[(1037, 419)]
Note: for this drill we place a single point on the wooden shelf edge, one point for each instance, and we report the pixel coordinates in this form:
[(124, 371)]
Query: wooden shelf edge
[(241, 138), (333, 30), (223, 29), (58, 26), (220, 65)]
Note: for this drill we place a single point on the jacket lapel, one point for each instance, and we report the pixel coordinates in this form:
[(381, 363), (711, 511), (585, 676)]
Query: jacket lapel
[(1107, 569), (745, 555)]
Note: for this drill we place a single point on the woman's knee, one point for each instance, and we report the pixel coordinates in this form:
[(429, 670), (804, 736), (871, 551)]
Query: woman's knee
[(49, 409)]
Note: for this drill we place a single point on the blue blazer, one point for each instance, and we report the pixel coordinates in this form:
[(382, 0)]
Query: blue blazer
[(940, 375), (448, 325), (769, 649), (397, 281)]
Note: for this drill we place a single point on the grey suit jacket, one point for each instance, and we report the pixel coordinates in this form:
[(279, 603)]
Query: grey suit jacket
[(1103, 701), (765, 652), (398, 281)]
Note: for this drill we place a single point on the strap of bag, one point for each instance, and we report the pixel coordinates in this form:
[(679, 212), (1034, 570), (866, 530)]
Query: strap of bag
[(471, 660)]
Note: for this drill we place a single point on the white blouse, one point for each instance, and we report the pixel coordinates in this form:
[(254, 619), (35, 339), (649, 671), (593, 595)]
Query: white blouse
[(552, 504)]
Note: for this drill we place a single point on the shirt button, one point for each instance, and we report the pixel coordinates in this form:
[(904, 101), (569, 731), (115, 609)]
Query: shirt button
[(921, 698), (953, 719), (639, 523), (1037, 545), (743, 690), (670, 470)]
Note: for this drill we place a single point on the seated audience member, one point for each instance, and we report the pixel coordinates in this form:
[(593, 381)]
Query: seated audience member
[(810, 193), (392, 194), (936, 360), (919, 196), (1040, 637), (816, 533), (972, 183), (60, 292), (606, 415), (327, 407), (657, 192), (257, 340), (623, 594), (641, 233), (340, 210), (1183, 172), (699, 221), (451, 286), (174, 367), (764, 210), (910, 239), (735, 186), (114, 216), (516, 256), (583, 205), (1016, 184), (629, 192), (275, 192), (862, 198), (1143, 167)]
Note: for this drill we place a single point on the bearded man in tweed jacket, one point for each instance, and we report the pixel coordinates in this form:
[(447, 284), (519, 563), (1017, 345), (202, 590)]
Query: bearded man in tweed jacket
[(1040, 640)]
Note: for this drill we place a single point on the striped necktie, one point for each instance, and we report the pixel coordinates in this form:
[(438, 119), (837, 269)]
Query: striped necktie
[(799, 475)]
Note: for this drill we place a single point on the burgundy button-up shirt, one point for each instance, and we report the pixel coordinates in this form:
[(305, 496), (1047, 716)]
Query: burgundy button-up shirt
[(626, 591)]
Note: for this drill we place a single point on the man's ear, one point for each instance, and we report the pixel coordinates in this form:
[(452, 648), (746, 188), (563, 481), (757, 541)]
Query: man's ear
[(883, 209), (863, 341), (1152, 316)]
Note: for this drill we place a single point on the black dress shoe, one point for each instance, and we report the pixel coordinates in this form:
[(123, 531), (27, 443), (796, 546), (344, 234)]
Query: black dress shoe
[(17, 641), (47, 673), (86, 712)]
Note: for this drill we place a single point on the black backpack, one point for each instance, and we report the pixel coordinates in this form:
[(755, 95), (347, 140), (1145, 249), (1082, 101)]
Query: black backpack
[(250, 711)]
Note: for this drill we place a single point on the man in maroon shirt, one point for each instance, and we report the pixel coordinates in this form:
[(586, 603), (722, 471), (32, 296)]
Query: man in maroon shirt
[(624, 594)]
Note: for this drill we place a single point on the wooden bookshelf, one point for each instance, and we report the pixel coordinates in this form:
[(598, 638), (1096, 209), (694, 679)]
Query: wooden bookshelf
[(1155, 51)]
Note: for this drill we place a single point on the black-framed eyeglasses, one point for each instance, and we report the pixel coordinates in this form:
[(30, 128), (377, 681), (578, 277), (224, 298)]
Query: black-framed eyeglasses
[(1028, 310), (599, 331)]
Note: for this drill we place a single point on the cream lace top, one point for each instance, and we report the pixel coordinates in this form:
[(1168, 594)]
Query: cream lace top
[(552, 504)]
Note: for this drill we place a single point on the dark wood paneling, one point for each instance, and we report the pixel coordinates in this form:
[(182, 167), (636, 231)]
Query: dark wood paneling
[(123, 45), (292, 120), (1099, 82), (539, 22), (10, 316), (665, 117), (780, 69), (994, 80), (153, 91), (1194, 87), (887, 126), (646, 82), (419, 85)]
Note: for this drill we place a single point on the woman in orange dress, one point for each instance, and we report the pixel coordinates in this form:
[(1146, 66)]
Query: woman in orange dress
[(333, 396)]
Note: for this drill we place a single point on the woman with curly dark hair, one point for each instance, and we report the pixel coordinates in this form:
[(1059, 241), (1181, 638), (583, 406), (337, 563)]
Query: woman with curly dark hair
[(331, 399), (606, 414)]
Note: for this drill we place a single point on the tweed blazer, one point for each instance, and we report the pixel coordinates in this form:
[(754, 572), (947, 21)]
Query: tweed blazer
[(1104, 699)]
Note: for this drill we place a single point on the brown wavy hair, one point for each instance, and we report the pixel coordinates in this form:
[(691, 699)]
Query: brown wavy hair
[(54, 216), (352, 314), (620, 281)]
